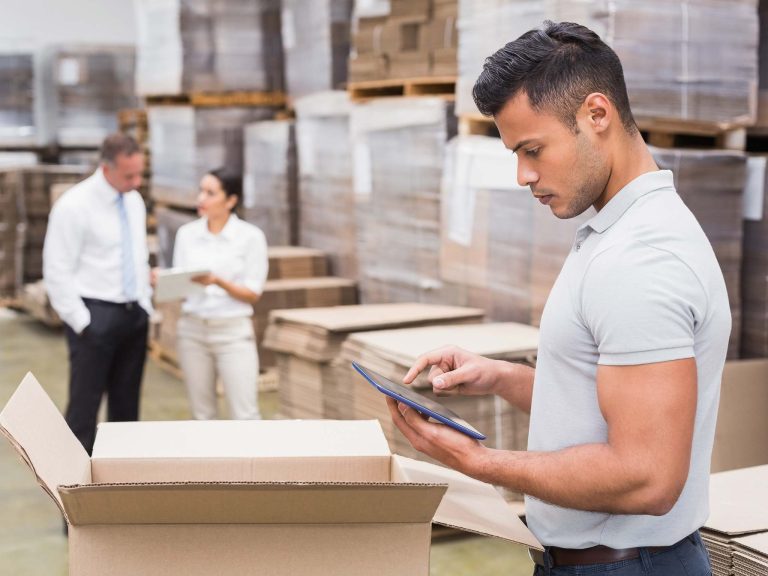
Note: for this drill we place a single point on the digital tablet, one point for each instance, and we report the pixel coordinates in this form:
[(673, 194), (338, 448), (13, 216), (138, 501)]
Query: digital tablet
[(176, 284), (425, 405)]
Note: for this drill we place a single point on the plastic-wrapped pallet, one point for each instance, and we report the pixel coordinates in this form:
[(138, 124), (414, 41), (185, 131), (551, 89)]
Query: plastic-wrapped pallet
[(486, 234), (327, 219), (711, 183), (91, 84), (270, 180), (22, 112), (168, 223), (754, 290), (208, 45), (316, 44), (187, 141), (399, 150), (683, 60)]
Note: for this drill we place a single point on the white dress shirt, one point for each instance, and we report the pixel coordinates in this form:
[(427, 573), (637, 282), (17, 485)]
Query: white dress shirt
[(82, 257), (237, 254)]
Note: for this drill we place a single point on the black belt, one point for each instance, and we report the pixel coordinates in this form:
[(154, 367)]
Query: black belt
[(593, 555), (124, 305)]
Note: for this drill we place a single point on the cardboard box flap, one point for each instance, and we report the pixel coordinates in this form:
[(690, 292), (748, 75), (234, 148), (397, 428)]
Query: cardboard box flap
[(38, 432), (738, 501), (251, 503), (468, 504)]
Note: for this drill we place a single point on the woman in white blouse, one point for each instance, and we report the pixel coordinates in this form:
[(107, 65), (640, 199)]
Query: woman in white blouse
[(215, 332)]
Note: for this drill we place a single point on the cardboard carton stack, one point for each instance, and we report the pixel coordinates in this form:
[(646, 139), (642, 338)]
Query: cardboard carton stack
[(400, 146), (270, 180), (209, 46), (754, 290), (736, 532), (34, 300), (327, 219), (677, 68), (296, 262), (417, 39), (307, 341), (91, 84), (32, 189), (392, 352), (711, 183), (316, 44), (20, 118), (188, 141), (292, 497), (761, 125), (298, 293)]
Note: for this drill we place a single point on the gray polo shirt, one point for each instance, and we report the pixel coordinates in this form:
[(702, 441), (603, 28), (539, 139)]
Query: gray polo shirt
[(640, 285)]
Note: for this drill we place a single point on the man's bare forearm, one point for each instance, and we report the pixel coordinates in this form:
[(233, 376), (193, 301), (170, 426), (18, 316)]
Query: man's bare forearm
[(514, 383)]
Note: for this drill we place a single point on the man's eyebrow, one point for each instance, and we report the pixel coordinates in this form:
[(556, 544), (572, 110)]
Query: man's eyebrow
[(521, 144)]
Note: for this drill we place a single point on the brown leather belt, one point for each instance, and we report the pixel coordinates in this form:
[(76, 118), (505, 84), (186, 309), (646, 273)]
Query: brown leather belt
[(586, 556)]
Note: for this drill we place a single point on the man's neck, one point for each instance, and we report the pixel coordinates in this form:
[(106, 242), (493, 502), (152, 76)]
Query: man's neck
[(634, 161)]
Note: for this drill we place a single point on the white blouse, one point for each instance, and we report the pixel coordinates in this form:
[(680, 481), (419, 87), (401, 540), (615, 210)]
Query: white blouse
[(237, 254)]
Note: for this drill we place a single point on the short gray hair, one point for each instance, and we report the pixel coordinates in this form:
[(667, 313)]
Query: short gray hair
[(116, 144)]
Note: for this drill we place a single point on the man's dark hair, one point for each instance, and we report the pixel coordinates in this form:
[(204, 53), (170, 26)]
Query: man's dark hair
[(116, 144), (557, 66), (231, 182)]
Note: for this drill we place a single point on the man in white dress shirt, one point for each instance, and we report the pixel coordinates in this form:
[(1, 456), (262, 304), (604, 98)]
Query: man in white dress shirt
[(96, 270)]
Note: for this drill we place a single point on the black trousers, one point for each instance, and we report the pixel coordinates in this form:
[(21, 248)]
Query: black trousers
[(107, 358)]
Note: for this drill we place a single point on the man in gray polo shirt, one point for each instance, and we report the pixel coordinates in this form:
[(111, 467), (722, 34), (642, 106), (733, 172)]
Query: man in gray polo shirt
[(634, 335)]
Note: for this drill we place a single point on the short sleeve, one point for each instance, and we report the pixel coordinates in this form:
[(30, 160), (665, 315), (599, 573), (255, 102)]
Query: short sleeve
[(642, 305), (256, 261)]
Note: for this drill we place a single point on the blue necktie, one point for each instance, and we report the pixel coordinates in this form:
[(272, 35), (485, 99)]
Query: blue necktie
[(129, 270)]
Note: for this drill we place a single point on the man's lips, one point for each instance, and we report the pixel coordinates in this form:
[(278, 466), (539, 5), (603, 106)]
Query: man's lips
[(545, 198)]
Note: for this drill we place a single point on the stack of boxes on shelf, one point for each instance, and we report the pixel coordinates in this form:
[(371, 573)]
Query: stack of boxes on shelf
[(21, 121), (306, 342), (416, 39)]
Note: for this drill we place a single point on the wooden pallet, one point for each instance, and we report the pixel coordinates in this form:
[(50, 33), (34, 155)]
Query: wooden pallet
[(220, 99), (437, 86), (165, 359), (681, 134), (477, 125)]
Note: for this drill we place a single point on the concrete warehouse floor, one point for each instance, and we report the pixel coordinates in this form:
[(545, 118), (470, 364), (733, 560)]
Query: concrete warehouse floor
[(31, 539)]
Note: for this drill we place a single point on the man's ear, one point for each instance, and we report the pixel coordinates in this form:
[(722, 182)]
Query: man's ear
[(598, 112)]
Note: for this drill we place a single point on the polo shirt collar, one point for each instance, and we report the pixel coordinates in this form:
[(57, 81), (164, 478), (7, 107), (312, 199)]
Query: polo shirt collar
[(624, 198)]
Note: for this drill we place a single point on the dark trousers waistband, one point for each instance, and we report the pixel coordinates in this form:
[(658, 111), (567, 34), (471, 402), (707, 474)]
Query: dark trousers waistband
[(594, 555), (124, 305)]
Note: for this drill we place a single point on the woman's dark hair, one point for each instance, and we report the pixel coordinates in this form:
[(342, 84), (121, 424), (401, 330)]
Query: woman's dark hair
[(557, 66), (231, 182)]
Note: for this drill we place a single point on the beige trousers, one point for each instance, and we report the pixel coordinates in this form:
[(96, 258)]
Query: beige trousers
[(224, 348)]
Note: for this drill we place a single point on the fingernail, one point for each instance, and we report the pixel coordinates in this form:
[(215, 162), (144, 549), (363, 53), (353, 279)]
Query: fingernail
[(439, 383)]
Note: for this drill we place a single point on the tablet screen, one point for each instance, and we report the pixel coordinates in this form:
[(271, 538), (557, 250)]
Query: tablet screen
[(418, 401)]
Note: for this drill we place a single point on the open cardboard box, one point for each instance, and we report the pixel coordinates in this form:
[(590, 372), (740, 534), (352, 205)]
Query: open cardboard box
[(231, 497)]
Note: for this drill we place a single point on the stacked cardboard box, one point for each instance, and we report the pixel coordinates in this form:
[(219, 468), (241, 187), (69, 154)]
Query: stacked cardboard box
[(208, 45), (316, 43), (327, 219), (683, 60), (20, 112), (399, 151), (298, 293), (711, 183), (392, 352), (296, 262), (270, 181), (736, 532), (307, 341), (25, 202), (754, 290), (187, 141), (417, 38), (91, 84), (761, 125)]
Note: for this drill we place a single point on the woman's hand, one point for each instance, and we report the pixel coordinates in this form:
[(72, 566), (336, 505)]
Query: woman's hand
[(206, 279)]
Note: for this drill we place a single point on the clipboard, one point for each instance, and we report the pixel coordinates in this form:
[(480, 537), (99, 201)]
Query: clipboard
[(176, 284)]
